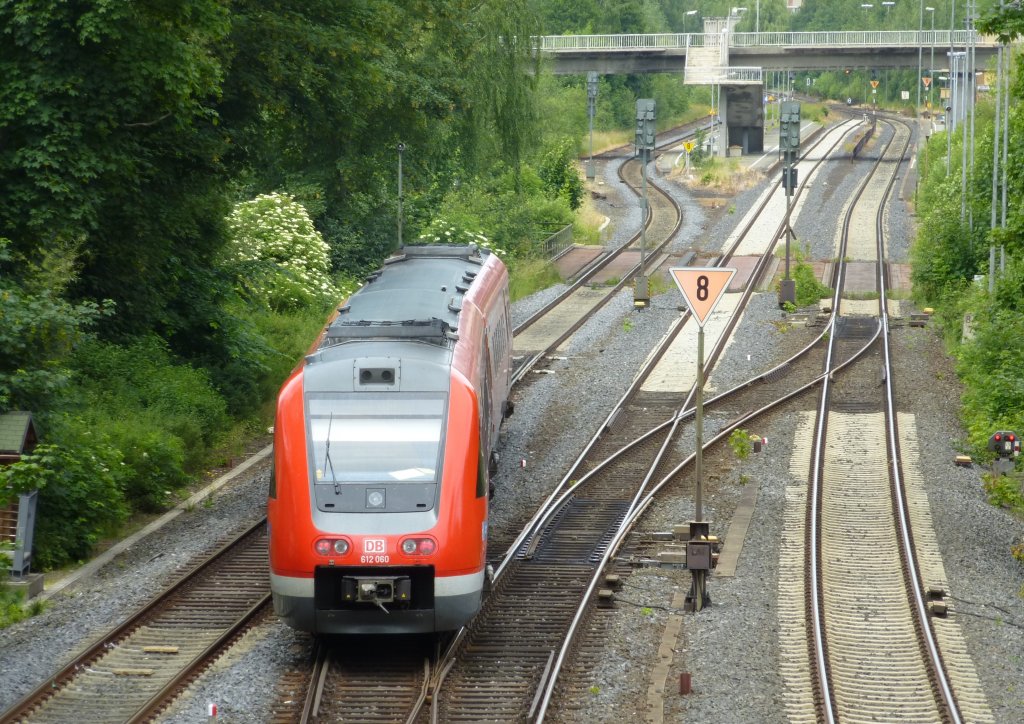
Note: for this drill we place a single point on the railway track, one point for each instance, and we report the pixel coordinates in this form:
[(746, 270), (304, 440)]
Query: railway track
[(132, 671), (869, 625)]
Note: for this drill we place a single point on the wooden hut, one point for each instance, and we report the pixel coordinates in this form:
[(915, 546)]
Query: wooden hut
[(17, 520)]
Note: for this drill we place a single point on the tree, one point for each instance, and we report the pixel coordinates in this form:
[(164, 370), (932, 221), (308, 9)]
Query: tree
[(560, 173), (37, 332), (110, 145)]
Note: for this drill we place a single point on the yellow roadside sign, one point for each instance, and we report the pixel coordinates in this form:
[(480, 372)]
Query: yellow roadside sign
[(702, 287), (688, 145)]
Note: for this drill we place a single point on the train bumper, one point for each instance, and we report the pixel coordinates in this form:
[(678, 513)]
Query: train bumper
[(302, 604)]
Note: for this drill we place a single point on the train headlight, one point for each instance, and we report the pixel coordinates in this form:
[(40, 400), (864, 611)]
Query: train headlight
[(332, 546), (418, 546)]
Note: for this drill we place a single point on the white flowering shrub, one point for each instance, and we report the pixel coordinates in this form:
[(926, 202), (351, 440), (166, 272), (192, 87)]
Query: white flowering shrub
[(280, 259), (445, 232)]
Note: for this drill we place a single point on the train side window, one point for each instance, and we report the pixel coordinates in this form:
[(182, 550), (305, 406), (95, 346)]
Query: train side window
[(481, 474), (485, 426)]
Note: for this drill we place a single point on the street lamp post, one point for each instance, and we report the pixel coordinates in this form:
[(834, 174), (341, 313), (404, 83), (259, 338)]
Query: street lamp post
[(687, 14), (591, 111), (931, 62), (887, 4), (401, 150), (920, 58), (874, 91)]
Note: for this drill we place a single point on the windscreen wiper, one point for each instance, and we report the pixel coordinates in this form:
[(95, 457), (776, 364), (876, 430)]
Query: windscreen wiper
[(327, 450)]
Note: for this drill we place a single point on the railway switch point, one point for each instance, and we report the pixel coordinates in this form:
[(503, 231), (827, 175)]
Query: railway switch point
[(674, 555)]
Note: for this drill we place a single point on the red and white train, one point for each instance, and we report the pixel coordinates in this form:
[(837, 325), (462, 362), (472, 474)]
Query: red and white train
[(383, 445)]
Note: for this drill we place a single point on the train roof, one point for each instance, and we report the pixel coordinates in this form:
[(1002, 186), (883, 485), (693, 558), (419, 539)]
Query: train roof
[(416, 295)]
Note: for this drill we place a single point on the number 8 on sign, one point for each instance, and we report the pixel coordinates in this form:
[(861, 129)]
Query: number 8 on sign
[(702, 287)]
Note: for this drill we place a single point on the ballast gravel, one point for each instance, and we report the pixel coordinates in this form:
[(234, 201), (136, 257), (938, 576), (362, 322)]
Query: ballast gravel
[(731, 648)]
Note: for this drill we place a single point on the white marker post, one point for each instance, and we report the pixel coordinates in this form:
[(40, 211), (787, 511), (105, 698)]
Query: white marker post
[(702, 287)]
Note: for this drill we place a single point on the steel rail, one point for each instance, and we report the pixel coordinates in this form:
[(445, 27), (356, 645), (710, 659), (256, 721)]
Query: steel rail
[(605, 259), (912, 568), (199, 664), (55, 682), (644, 501), (822, 677), (673, 423), (315, 691), (931, 653)]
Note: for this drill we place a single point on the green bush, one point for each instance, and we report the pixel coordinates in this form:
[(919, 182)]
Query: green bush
[(1003, 491), (288, 335), (809, 290), (155, 463), (515, 220), (278, 257), (560, 173), (143, 379)]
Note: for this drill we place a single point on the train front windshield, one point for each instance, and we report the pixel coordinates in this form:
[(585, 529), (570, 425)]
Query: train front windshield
[(365, 438)]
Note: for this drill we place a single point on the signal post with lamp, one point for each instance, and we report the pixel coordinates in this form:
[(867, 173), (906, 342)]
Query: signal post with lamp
[(789, 147), (1006, 445), (645, 133)]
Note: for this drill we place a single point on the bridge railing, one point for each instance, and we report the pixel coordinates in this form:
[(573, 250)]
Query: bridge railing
[(816, 39), (856, 38), (737, 74), (635, 41)]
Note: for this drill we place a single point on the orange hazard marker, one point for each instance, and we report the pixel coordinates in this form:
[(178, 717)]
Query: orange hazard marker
[(702, 287)]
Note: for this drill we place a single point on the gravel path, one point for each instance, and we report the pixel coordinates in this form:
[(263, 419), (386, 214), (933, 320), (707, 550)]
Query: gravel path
[(731, 647)]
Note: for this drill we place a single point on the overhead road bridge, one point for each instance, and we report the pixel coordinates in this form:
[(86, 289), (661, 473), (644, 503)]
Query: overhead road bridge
[(822, 50), (733, 63)]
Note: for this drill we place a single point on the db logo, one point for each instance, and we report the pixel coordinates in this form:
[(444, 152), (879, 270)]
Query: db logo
[(374, 545)]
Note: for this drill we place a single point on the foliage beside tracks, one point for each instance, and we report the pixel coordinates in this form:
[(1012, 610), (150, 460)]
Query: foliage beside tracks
[(947, 256)]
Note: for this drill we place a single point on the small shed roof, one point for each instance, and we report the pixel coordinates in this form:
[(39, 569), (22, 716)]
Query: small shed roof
[(17, 433)]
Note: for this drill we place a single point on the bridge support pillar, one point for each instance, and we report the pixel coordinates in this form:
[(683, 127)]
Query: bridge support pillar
[(743, 116)]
